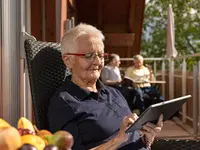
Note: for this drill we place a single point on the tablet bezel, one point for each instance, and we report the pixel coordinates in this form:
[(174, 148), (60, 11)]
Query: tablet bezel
[(154, 111)]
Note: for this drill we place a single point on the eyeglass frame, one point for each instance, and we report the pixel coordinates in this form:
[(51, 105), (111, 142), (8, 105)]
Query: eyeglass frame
[(93, 56)]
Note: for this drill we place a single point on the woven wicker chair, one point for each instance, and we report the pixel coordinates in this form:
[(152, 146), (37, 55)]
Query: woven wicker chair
[(47, 72)]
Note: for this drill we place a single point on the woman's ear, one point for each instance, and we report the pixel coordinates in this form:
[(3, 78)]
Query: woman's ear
[(68, 61)]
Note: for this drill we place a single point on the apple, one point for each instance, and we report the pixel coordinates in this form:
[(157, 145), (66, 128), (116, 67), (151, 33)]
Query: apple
[(63, 139)]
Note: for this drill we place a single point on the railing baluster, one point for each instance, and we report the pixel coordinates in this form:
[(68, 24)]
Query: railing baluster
[(195, 102), (163, 78), (184, 86), (171, 79), (68, 25), (198, 97), (72, 22), (154, 68)]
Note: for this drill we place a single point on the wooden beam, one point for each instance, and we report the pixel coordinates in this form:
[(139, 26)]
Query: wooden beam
[(100, 14), (36, 19), (71, 9), (63, 16), (138, 7), (119, 39), (50, 20), (131, 18), (55, 17)]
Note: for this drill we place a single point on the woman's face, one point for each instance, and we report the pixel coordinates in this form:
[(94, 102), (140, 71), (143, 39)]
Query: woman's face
[(88, 69), (116, 61), (138, 63)]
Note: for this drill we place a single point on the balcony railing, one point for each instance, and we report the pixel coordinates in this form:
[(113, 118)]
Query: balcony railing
[(181, 79)]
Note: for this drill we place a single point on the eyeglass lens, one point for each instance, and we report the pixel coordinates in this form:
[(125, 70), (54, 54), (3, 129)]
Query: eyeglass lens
[(92, 56)]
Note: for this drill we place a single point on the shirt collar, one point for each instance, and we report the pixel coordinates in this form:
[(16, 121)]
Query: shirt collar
[(78, 92)]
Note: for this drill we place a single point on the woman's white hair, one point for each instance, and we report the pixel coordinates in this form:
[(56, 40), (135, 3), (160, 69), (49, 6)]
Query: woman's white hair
[(138, 57), (69, 40)]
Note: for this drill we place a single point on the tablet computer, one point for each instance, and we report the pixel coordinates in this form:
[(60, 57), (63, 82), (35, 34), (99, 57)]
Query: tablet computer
[(152, 113)]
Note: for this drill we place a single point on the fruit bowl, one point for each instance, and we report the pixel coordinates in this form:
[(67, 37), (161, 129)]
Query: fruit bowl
[(26, 136)]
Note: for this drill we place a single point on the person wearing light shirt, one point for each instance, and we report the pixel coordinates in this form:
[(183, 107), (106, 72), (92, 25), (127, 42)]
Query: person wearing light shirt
[(110, 74), (139, 73)]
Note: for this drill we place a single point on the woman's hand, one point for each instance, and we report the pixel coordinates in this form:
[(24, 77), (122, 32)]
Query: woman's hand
[(121, 137), (150, 131), (127, 121)]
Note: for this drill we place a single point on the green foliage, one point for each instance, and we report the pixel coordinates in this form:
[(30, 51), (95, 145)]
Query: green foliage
[(187, 27)]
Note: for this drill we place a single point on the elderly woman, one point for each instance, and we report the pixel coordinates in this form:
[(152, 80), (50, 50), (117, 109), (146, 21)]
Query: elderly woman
[(138, 72), (96, 115)]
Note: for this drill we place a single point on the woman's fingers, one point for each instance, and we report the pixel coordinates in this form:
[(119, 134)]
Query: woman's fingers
[(122, 136), (149, 124), (124, 123), (134, 116), (150, 130), (160, 121), (127, 121), (156, 128)]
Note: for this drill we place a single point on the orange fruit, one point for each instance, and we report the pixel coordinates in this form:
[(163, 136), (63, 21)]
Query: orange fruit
[(43, 134), (9, 138)]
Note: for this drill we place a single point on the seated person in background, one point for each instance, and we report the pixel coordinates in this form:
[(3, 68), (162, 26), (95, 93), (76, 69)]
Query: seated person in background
[(138, 72), (110, 74), (96, 115)]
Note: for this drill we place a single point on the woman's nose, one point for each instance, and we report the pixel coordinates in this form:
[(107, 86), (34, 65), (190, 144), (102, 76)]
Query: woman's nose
[(97, 60)]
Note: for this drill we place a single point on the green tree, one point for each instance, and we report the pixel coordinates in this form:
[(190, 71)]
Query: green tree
[(187, 27)]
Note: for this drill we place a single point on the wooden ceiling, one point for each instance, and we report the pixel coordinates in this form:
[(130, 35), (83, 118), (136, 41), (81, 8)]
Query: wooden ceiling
[(120, 20)]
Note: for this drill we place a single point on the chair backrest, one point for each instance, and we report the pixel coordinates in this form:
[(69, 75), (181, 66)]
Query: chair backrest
[(46, 73)]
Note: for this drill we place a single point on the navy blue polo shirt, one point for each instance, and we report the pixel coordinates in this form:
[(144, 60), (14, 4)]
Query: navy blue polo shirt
[(92, 118)]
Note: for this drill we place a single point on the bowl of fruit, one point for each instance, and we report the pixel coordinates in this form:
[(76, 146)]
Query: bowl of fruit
[(26, 136)]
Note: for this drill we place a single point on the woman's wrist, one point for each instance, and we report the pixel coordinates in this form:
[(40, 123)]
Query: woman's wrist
[(146, 142), (117, 141), (120, 138)]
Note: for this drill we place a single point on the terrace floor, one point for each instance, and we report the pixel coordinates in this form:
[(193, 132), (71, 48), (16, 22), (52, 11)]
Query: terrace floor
[(173, 129)]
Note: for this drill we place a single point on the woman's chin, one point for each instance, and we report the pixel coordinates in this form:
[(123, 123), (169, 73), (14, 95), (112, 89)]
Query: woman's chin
[(94, 76)]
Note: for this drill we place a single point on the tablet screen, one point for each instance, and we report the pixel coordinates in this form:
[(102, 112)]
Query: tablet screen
[(152, 113)]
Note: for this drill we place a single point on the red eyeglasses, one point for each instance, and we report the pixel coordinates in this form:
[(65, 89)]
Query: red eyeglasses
[(91, 56)]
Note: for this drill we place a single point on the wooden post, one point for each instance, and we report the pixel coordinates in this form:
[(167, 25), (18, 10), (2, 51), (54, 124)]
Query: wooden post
[(48, 19), (100, 14), (36, 19), (136, 23), (61, 19)]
